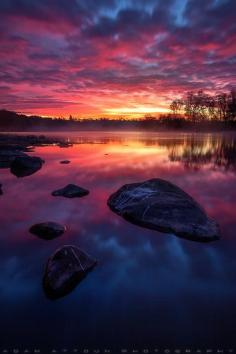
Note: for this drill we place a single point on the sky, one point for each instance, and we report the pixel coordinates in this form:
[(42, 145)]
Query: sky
[(94, 58)]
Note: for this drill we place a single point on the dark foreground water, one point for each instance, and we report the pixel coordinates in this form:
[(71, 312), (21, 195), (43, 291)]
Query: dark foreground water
[(149, 289)]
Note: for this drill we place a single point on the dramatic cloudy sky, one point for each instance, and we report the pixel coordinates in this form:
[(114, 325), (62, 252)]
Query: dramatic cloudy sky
[(99, 57)]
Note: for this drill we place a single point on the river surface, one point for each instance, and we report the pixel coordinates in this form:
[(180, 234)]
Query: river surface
[(149, 289)]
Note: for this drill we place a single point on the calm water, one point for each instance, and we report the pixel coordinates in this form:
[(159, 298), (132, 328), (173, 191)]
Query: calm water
[(149, 289)]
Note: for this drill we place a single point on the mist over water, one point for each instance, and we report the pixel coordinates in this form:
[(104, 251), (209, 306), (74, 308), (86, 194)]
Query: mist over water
[(149, 288)]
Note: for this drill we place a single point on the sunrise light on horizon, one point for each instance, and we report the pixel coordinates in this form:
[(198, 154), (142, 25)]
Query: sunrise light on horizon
[(113, 58)]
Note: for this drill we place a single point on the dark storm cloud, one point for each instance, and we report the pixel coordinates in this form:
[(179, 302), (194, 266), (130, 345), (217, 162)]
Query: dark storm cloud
[(41, 9), (133, 21)]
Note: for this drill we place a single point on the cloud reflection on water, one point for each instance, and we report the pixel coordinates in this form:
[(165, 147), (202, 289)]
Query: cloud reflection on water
[(146, 282)]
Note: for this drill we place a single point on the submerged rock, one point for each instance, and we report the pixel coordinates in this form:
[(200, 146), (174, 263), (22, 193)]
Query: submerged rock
[(47, 230), (160, 205), (25, 142), (65, 269), (26, 165), (1, 189), (71, 191), (64, 144), (65, 162), (12, 147)]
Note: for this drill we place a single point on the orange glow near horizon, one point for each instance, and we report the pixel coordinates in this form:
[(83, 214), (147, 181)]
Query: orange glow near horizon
[(112, 108)]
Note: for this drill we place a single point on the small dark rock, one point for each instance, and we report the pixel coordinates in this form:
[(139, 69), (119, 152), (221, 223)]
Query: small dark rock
[(26, 165), (71, 191), (65, 162), (47, 230), (65, 269), (160, 205)]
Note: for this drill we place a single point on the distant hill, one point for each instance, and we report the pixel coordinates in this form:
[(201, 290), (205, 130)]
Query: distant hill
[(14, 122)]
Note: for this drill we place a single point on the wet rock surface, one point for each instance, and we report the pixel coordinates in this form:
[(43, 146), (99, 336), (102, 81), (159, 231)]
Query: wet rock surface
[(65, 269), (23, 166), (12, 147), (47, 230), (160, 205), (71, 191), (29, 141), (8, 156)]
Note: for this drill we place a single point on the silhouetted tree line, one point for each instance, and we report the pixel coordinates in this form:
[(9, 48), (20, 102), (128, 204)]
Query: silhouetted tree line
[(195, 111), (201, 106)]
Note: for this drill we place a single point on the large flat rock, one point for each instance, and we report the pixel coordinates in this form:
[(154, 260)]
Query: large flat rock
[(160, 205), (65, 269)]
